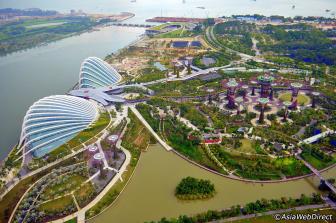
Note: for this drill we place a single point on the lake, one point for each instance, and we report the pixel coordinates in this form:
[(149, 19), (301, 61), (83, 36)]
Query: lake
[(150, 192)]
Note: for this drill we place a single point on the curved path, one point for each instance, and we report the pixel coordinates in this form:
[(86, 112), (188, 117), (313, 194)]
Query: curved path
[(80, 214), (17, 180), (233, 177)]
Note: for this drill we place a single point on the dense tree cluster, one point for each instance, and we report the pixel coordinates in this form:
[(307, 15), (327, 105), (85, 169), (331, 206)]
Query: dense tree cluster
[(258, 167), (18, 36), (191, 188), (236, 35), (234, 28), (262, 205), (27, 12), (191, 113), (317, 153), (301, 42), (220, 59)]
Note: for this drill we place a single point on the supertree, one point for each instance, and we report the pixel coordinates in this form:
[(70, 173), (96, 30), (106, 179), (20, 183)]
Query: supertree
[(263, 102), (295, 92), (231, 90)]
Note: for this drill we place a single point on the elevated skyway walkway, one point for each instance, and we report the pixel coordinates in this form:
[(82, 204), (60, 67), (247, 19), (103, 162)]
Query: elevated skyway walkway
[(145, 123)]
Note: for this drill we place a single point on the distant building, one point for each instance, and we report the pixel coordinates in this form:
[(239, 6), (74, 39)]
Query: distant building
[(246, 18), (180, 44), (197, 44), (211, 138), (152, 32)]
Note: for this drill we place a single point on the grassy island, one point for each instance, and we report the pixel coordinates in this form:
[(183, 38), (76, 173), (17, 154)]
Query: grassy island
[(191, 189)]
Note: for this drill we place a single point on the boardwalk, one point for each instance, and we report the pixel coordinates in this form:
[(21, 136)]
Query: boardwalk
[(145, 123)]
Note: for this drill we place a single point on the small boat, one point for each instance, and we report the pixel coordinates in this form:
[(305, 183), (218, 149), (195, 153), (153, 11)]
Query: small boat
[(327, 10), (200, 7), (293, 7)]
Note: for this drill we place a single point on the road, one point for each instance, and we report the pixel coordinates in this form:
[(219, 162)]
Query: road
[(212, 37)]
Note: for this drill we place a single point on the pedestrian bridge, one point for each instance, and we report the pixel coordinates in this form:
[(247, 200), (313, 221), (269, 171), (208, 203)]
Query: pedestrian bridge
[(145, 123), (317, 173)]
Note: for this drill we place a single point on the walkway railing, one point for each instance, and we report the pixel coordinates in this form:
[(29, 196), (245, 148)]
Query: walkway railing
[(145, 123)]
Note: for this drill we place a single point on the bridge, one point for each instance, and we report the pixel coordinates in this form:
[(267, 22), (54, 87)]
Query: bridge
[(131, 25), (145, 123), (316, 172)]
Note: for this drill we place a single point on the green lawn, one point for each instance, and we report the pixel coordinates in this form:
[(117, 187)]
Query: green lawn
[(258, 167), (43, 25), (74, 220), (84, 194), (150, 74), (86, 134), (290, 166), (57, 205), (302, 99), (61, 151), (221, 59), (246, 147), (159, 27), (32, 22), (70, 184), (179, 33), (315, 162)]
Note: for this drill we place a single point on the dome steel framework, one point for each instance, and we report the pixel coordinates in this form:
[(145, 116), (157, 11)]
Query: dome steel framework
[(95, 73), (52, 121)]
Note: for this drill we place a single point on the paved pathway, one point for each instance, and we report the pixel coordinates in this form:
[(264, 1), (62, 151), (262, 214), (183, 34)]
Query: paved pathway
[(187, 123), (271, 213), (17, 180), (145, 123), (81, 213), (106, 166), (74, 199)]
